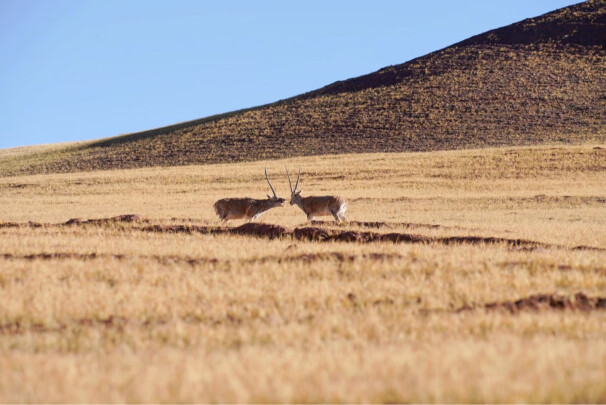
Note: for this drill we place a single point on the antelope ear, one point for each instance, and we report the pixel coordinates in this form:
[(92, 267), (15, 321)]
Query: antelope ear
[(299, 192), (268, 196)]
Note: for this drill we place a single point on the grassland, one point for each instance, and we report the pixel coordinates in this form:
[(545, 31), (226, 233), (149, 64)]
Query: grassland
[(118, 311)]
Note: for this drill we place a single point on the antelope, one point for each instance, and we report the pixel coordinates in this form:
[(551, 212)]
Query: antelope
[(315, 206), (248, 208)]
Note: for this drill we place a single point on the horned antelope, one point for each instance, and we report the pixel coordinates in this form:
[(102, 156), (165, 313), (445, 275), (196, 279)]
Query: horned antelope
[(315, 206), (248, 208)]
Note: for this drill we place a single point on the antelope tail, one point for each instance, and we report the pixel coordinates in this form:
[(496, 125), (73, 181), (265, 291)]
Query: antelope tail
[(343, 207)]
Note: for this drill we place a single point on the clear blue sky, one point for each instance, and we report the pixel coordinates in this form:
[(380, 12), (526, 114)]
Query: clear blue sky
[(77, 70)]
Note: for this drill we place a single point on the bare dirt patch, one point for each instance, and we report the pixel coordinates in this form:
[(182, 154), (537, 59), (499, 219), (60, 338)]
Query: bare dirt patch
[(336, 256), (20, 225), (542, 302), (60, 256), (106, 221), (18, 328), (555, 266)]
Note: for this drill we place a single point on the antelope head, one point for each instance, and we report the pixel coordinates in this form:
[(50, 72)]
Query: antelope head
[(295, 196), (277, 201)]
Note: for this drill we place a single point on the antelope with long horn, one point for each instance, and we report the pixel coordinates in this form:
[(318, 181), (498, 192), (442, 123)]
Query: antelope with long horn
[(316, 206), (248, 208)]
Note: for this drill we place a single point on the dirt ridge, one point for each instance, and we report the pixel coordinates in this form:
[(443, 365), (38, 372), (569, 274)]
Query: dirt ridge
[(305, 233), (303, 257), (541, 302)]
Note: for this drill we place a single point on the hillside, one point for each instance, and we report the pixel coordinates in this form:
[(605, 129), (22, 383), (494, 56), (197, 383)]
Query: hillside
[(538, 81)]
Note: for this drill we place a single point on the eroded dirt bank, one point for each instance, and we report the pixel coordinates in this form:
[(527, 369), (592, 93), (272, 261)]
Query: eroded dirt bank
[(305, 233)]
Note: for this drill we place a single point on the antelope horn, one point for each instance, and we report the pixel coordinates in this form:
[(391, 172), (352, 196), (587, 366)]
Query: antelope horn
[(269, 182), (289, 183), (298, 178)]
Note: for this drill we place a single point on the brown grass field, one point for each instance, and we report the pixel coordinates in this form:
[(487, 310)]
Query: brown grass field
[(175, 307)]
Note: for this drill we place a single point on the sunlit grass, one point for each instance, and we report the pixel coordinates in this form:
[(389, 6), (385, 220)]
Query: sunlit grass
[(114, 313)]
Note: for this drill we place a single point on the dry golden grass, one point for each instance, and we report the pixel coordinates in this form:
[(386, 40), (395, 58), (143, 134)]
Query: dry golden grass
[(116, 313)]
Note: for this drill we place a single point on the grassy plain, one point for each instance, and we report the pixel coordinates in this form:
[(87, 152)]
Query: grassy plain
[(116, 313)]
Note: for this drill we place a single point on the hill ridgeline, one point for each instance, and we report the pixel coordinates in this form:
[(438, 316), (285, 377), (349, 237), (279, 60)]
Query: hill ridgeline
[(541, 80)]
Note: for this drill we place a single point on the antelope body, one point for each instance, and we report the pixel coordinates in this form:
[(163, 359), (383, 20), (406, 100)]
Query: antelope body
[(316, 206), (248, 208)]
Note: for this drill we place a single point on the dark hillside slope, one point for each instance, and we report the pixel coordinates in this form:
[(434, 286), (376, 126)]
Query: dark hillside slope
[(542, 80)]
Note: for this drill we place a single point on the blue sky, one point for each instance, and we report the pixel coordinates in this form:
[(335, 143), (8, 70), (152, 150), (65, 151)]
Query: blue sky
[(77, 70)]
